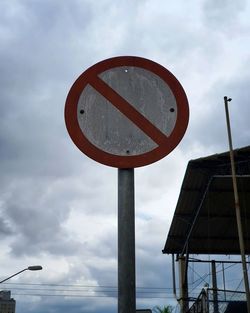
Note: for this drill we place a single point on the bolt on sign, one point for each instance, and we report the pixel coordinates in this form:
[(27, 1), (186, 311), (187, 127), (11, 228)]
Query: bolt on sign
[(126, 112)]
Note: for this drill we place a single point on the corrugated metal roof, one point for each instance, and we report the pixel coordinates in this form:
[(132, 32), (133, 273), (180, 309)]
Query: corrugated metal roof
[(204, 221)]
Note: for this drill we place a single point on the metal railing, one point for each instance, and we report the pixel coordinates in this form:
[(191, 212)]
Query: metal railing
[(219, 301)]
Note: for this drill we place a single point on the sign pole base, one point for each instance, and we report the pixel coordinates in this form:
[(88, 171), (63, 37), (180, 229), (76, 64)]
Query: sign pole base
[(126, 242)]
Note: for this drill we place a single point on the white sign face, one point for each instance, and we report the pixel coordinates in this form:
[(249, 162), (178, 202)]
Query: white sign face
[(126, 112), (110, 130)]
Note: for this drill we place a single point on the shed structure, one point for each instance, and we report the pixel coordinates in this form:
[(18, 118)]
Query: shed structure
[(204, 220)]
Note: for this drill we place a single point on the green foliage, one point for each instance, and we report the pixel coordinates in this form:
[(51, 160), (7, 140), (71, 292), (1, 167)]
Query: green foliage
[(165, 309)]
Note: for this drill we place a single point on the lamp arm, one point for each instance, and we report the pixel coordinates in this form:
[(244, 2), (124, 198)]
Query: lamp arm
[(13, 275)]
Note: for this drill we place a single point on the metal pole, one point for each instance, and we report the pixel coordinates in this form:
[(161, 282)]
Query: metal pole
[(30, 268), (13, 275), (173, 276), (126, 242), (183, 284), (237, 207), (224, 281), (214, 286)]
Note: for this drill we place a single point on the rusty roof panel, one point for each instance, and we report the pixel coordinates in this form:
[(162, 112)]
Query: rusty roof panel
[(204, 221)]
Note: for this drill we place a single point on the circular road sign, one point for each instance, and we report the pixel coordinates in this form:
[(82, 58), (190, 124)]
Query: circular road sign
[(126, 112)]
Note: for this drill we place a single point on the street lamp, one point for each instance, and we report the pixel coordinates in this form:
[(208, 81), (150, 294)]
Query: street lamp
[(29, 268)]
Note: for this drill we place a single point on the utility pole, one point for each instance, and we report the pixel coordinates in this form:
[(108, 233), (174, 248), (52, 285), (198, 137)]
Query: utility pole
[(237, 206), (183, 283), (214, 285)]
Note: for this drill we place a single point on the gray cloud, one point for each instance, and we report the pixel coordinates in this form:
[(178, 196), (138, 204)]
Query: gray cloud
[(209, 129), (56, 204), (224, 15), (5, 228), (59, 304)]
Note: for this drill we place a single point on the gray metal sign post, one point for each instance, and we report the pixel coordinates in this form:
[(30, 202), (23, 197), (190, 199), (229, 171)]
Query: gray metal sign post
[(126, 241)]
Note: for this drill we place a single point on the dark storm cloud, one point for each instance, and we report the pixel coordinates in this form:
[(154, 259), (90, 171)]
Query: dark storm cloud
[(108, 245), (69, 305), (35, 62), (41, 34), (37, 216), (36, 220), (5, 228)]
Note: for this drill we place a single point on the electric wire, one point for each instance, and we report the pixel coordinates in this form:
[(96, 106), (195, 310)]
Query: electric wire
[(199, 280), (227, 267), (88, 290), (83, 291), (80, 286), (87, 296)]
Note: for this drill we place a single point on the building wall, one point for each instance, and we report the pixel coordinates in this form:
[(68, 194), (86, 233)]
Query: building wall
[(7, 304)]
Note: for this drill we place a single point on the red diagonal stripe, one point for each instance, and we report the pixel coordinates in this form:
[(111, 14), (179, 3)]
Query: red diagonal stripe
[(128, 110)]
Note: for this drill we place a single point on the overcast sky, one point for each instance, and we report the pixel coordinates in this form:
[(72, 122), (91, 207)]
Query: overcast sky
[(58, 208)]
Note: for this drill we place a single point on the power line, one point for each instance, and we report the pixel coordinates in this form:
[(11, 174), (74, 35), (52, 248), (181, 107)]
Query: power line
[(84, 291), (82, 286), (227, 267), (87, 288), (94, 291), (89, 296)]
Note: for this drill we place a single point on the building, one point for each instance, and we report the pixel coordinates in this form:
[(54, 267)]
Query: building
[(204, 223), (7, 304)]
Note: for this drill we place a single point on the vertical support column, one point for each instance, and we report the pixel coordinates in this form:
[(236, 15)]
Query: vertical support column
[(214, 286), (183, 284), (126, 242), (224, 281), (173, 275)]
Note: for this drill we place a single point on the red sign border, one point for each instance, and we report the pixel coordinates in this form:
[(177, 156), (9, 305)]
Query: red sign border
[(103, 157)]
